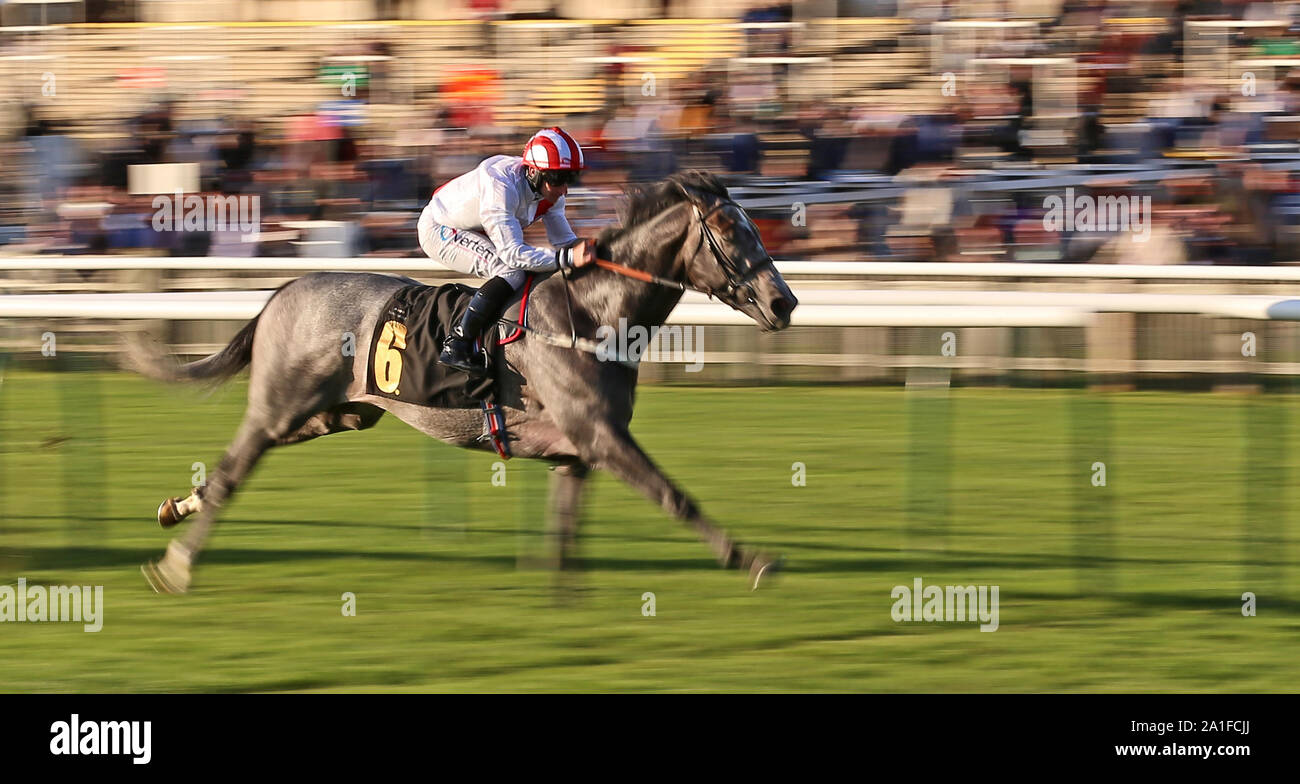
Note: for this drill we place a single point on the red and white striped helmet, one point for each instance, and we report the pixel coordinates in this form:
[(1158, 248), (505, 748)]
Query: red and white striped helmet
[(551, 149)]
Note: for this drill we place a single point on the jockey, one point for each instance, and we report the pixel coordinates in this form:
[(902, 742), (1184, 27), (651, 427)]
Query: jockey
[(475, 224)]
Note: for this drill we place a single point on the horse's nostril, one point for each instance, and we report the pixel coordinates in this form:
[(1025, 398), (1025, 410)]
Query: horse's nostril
[(782, 308)]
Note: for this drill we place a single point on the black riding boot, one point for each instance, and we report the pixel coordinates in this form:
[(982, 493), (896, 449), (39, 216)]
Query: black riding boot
[(484, 309)]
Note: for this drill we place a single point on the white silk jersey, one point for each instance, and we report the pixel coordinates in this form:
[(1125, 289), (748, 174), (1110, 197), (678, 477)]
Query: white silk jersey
[(494, 198)]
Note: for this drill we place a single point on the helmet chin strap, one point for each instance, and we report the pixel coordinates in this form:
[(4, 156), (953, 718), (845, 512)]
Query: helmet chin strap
[(534, 178)]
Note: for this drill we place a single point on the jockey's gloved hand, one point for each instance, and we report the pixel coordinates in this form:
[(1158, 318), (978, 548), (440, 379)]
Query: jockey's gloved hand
[(579, 254)]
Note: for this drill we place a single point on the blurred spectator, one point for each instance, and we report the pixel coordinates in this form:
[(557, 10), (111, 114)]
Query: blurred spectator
[(923, 166)]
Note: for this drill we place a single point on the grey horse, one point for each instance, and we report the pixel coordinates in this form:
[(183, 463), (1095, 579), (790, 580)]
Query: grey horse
[(574, 408)]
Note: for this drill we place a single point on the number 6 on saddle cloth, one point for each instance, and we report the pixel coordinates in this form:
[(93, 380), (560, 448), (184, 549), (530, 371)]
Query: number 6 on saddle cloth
[(403, 362)]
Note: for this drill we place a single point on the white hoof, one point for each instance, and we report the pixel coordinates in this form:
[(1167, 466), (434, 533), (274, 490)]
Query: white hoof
[(171, 574)]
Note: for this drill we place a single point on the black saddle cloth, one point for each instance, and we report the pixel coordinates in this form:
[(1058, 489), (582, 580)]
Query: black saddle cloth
[(407, 340)]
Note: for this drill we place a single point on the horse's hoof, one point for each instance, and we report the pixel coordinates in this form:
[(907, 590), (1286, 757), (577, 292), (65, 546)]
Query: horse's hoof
[(764, 570), (156, 580), (169, 514), (167, 575)]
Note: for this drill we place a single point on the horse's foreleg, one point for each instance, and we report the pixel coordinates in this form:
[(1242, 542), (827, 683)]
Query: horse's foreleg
[(567, 481), (613, 449)]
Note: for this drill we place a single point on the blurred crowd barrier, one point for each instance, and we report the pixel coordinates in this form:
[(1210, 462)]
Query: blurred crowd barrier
[(878, 323), (1155, 133)]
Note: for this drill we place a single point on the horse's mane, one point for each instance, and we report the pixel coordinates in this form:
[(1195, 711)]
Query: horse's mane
[(644, 202)]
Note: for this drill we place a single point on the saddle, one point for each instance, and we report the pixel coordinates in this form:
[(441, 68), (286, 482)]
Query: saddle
[(403, 359), (409, 335)]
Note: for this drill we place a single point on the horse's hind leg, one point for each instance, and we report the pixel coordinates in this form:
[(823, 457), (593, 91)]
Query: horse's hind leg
[(259, 431), (349, 416), (172, 573)]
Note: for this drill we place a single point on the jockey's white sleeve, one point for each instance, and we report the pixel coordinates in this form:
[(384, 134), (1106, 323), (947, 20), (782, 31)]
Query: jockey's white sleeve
[(558, 231), (497, 204)]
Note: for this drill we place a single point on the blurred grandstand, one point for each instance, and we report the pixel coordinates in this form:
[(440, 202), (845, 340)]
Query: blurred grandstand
[(865, 130)]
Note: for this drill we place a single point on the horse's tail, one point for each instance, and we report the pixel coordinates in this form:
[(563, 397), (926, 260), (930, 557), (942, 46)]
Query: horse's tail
[(149, 361)]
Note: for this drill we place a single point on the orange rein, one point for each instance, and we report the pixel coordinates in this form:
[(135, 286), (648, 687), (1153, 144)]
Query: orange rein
[(641, 275)]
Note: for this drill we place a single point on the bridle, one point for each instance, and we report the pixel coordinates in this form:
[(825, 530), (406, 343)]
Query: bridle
[(736, 290)]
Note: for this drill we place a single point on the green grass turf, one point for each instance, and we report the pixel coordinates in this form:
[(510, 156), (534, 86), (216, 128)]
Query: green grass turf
[(428, 545)]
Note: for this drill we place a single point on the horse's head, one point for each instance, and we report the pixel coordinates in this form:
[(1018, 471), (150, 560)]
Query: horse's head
[(724, 256)]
